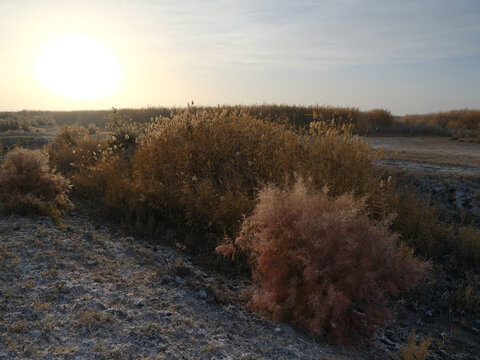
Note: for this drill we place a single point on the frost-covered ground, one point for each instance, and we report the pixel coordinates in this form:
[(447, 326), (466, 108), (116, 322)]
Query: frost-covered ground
[(88, 291)]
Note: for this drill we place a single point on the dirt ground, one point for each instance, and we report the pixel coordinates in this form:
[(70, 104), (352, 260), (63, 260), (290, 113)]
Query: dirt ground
[(429, 149)]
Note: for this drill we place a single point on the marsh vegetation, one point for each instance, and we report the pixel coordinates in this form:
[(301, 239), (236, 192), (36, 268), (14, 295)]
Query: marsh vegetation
[(291, 195)]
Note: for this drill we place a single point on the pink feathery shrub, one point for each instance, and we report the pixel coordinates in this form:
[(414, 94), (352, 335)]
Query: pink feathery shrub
[(321, 263)]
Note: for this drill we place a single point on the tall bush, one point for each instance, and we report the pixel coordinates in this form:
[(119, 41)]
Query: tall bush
[(205, 167)]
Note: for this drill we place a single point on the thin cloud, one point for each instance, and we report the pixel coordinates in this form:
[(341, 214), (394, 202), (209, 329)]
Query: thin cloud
[(311, 34)]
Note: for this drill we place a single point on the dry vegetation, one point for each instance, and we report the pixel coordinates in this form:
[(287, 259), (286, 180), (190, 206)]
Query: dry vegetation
[(24, 121), (198, 173), (28, 185), (464, 124), (456, 119), (203, 168), (321, 263), (461, 123), (412, 350)]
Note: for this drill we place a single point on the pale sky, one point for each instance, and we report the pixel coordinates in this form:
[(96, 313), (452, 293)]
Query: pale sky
[(409, 56)]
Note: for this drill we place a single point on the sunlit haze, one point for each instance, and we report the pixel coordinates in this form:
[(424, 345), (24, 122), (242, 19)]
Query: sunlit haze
[(78, 67), (406, 56)]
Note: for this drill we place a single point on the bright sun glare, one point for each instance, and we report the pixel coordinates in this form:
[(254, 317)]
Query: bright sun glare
[(78, 67)]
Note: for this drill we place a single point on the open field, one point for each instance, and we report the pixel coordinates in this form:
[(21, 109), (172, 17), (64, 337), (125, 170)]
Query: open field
[(28, 140), (449, 156)]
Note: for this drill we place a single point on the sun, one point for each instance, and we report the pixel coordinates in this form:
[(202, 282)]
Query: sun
[(78, 67)]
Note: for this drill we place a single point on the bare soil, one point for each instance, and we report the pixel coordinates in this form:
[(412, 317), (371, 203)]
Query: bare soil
[(450, 156)]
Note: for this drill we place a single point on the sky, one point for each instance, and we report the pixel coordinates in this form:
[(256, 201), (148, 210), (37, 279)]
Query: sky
[(406, 56)]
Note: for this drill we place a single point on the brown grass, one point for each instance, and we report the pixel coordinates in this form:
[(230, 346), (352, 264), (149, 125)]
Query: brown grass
[(412, 350), (199, 171), (454, 119), (28, 185), (92, 320), (203, 168), (73, 146), (421, 228)]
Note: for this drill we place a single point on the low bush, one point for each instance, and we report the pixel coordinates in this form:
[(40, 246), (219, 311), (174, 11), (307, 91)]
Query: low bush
[(321, 263), (28, 185), (196, 173)]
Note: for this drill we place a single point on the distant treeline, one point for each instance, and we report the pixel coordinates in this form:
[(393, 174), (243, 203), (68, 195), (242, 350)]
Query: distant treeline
[(370, 122)]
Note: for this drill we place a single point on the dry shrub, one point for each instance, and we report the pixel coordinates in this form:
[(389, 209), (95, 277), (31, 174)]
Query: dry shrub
[(146, 114), (205, 167), (468, 241), (76, 153), (104, 172), (200, 171), (123, 131), (293, 115), (464, 298), (92, 128), (23, 121), (420, 225), (376, 120), (422, 229), (28, 185), (322, 264), (70, 147), (96, 166), (93, 320), (19, 121), (412, 351)]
